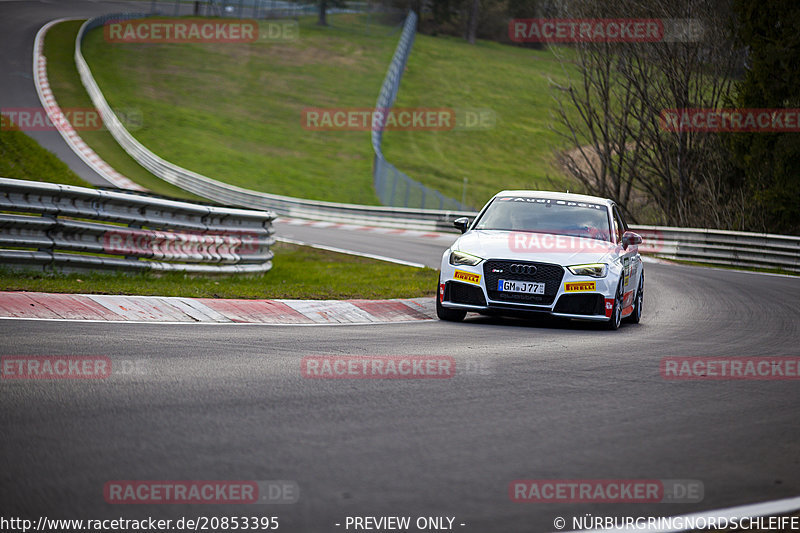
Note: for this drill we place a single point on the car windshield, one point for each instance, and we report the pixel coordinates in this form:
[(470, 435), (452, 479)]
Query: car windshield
[(545, 215)]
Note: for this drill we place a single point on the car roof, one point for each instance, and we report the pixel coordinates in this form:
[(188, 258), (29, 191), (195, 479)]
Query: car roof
[(567, 196)]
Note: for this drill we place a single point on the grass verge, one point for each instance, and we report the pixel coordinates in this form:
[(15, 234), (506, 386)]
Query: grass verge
[(516, 152), (297, 272), (23, 158)]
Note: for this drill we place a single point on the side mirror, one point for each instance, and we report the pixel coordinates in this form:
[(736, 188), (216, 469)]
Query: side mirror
[(630, 238), (461, 223)]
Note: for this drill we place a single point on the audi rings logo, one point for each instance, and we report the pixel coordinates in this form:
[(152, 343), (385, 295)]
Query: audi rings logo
[(522, 269)]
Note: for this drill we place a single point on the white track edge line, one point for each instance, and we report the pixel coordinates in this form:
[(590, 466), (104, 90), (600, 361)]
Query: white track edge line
[(768, 508), (350, 252), (210, 323)]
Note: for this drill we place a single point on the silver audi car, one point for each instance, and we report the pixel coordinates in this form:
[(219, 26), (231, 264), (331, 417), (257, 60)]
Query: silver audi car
[(568, 255)]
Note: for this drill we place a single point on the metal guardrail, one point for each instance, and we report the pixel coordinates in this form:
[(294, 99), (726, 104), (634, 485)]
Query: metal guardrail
[(263, 8), (76, 228), (735, 248), (231, 195)]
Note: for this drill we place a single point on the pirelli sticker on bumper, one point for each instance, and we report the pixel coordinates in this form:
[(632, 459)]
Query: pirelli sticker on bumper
[(580, 286), (469, 277)]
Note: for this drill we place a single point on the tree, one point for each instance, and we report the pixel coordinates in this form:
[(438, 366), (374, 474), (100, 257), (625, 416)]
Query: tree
[(323, 15), (322, 19), (768, 164), (612, 114)]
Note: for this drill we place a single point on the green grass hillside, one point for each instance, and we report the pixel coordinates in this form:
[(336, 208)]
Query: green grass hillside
[(233, 111)]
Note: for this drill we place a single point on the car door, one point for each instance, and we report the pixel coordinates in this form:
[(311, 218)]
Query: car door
[(631, 261)]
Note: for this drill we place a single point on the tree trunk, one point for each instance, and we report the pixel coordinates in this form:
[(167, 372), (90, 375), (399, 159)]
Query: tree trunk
[(416, 5), (472, 24), (323, 8)]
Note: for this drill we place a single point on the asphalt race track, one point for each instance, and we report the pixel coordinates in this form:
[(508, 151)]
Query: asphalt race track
[(536, 400), (530, 399)]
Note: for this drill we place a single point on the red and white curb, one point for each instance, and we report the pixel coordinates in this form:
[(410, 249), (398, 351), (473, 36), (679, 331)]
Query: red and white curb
[(112, 308), (63, 126)]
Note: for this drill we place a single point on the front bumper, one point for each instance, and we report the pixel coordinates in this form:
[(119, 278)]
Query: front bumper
[(566, 295)]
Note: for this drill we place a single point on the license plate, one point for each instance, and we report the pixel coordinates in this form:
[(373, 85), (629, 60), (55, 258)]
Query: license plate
[(525, 287)]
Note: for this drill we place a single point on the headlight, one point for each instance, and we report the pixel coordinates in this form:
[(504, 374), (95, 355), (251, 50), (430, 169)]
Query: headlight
[(463, 258), (595, 270)]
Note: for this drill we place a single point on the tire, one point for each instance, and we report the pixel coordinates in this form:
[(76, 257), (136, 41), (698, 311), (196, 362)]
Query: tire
[(616, 313), (636, 316), (450, 315)]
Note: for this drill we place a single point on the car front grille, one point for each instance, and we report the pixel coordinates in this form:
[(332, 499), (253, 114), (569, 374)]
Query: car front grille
[(581, 304), (549, 274), (461, 293)]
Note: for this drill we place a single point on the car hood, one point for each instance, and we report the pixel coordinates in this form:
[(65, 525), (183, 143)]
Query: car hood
[(540, 247)]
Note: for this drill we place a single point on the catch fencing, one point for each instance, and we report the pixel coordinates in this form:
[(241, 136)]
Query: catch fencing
[(393, 186)]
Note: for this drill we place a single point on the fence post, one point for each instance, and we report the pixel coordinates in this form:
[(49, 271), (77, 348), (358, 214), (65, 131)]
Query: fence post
[(394, 188)]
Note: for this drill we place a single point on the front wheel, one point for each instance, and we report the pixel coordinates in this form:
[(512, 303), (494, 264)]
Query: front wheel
[(616, 314), (451, 315)]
